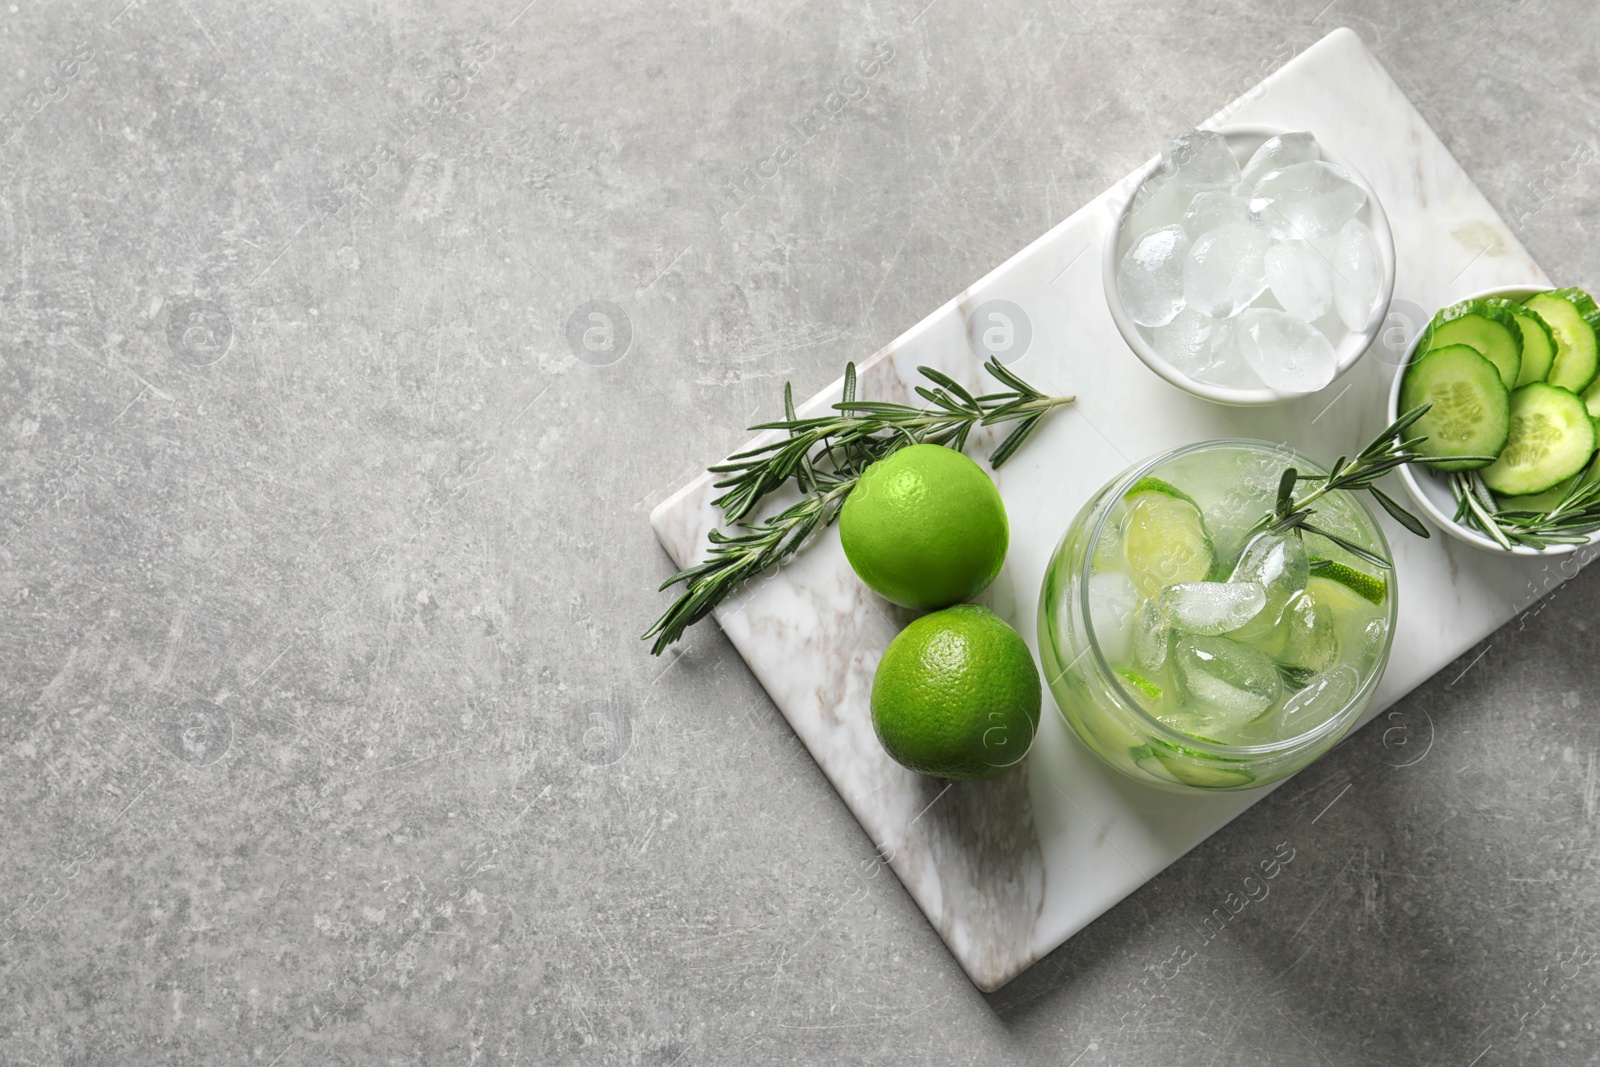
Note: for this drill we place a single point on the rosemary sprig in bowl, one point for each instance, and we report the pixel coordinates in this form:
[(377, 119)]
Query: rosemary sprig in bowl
[(824, 457), (1572, 521)]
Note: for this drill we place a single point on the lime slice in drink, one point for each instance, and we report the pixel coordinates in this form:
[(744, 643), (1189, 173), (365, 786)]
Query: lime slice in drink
[(1368, 586), (1342, 596), (1156, 485), (1358, 621), (1164, 541)]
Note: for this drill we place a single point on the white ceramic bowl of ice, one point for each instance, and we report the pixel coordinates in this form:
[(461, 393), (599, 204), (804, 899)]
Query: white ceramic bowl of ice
[(1430, 490), (1350, 345)]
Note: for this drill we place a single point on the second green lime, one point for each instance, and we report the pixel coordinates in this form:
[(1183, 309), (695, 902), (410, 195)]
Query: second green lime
[(957, 695), (925, 528)]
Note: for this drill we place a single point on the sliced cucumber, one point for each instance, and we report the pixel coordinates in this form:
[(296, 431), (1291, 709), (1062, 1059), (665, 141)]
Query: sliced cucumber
[(1147, 762), (1551, 439), (1539, 502), (1591, 473), (1591, 399), (1484, 325), (1543, 502), (1538, 344), (1207, 776), (1572, 317), (1471, 407)]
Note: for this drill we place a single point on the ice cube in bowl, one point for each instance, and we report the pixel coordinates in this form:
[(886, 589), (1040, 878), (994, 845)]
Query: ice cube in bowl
[(1198, 348)]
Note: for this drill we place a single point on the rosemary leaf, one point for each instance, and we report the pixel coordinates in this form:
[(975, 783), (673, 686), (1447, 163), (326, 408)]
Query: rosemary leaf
[(1471, 510), (949, 383), (1398, 513), (1349, 546), (1286, 491)]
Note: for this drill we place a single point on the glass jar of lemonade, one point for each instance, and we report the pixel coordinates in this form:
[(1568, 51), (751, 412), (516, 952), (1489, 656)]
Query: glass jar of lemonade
[(1195, 647)]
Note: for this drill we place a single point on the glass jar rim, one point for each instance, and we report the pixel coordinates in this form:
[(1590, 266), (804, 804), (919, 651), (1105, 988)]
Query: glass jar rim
[(1178, 738)]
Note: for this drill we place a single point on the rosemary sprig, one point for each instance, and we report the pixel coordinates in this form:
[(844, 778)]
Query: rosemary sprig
[(1390, 449), (1574, 518), (857, 433), (740, 556), (825, 457)]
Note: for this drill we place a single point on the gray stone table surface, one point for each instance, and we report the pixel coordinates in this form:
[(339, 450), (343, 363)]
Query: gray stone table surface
[(326, 736)]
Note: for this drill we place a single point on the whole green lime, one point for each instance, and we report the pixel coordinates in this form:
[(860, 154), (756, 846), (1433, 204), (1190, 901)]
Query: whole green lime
[(957, 695), (925, 528)]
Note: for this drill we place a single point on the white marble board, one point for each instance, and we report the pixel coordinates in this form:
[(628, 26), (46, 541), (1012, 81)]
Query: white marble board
[(1008, 870)]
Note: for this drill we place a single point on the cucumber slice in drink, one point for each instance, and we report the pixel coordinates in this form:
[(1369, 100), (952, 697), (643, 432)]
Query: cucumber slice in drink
[(1164, 541), (1471, 408), (1140, 682), (1551, 438), (1572, 317), (1155, 768), (1485, 325), (1207, 776), (1538, 344)]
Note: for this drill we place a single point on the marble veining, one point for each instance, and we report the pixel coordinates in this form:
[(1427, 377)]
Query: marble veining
[(1008, 870)]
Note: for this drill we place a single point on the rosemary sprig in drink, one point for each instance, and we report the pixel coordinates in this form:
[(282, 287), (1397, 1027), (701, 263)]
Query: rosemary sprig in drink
[(1390, 449), (825, 456)]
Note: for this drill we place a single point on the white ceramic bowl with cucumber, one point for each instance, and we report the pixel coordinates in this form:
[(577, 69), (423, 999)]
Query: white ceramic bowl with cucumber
[(1512, 373)]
